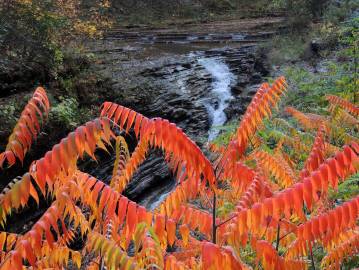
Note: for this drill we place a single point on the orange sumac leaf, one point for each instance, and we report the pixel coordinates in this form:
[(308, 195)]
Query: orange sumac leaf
[(171, 231), (27, 128), (184, 231), (344, 104)]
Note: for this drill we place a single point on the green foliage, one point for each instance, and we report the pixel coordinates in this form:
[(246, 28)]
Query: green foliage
[(248, 255), (219, 4), (349, 37), (7, 112), (66, 113), (296, 44), (226, 132), (346, 190), (301, 12), (309, 88), (35, 33), (29, 29), (225, 209), (286, 48), (338, 77), (337, 12), (10, 109)]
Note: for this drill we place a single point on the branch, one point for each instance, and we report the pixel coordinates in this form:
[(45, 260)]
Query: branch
[(223, 222)]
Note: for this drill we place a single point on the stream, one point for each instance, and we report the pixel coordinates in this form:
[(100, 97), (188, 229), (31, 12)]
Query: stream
[(222, 78)]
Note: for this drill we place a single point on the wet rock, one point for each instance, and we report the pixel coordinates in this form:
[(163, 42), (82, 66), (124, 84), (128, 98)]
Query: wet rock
[(246, 99), (176, 86), (243, 80), (237, 90), (151, 175), (252, 90), (235, 109), (187, 65), (314, 48), (262, 65), (179, 114), (256, 78), (251, 93)]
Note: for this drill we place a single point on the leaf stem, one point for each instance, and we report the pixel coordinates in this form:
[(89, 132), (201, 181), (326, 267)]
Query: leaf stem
[(278, 236), (224, 222), (214, 227), (311, 256)]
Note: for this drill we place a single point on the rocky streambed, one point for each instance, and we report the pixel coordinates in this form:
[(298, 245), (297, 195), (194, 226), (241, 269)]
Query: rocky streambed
[(198, 76)]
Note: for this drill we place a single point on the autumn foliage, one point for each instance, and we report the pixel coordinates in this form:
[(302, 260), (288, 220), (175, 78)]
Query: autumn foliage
[(27, 128), (280, 208)]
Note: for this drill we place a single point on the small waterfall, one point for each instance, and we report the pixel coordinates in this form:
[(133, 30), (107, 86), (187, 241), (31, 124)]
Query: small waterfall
[(221, 91)]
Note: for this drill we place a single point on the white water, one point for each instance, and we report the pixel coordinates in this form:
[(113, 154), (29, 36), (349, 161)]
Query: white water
[(221, 91), (160, 199)]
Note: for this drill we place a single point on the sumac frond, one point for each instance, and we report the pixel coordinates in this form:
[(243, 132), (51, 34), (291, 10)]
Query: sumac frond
[(257, 191), (122, 155), (240, 177), (58, 256), (343, 118), (16, 194), (291, 200), (317, 154), (114, 256), (271, 164), (124, 117), (27, 128), (120, 181), (164, 135), (259, 108), (8, 241), (195, 219), (304, 119), (215, 257), (332, 223), (344, 104), (29, 246), (61, 160), (251, 199), (271, 260), (347, 248), (185, 191)]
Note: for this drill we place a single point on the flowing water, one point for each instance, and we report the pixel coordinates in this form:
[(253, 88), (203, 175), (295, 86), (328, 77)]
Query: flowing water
[(222, 79)]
